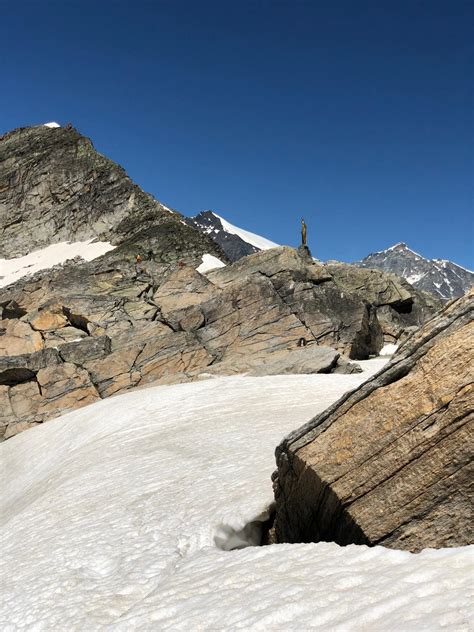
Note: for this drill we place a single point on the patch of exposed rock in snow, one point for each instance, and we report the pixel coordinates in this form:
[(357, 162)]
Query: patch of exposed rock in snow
[(117, 516), (388, 350), (209, 262), (250, 238), (52, 124), (13, 269)]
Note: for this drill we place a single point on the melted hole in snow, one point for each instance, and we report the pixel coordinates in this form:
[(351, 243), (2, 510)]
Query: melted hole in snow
[(254, 533)]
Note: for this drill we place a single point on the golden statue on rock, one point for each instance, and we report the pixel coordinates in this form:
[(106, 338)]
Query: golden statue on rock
[(303, 232)]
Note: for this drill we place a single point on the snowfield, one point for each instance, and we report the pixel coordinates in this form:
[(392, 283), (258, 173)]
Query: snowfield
[(13, 269), (119, 516)]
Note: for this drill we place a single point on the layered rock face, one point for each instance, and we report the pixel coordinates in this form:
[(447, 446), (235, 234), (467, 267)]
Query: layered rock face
[(390, 463), (90, 330), (55, 187)]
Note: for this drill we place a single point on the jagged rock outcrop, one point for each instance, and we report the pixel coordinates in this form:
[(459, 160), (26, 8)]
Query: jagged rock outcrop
[(355, 311), (38, 386), (390, 463), (55, 187), (113, 325), (399, 307)]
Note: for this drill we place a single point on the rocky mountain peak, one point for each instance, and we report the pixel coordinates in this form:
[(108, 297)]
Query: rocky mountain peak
[(442, 278), (400, 246), (55, 187)]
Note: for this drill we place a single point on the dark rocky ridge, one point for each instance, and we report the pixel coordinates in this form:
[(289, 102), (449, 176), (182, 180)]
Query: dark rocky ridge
[(55, 187), (391, 462), (441, 278), (234, 246)]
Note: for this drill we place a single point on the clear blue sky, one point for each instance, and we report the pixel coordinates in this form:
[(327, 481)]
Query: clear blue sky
[(357, 115)]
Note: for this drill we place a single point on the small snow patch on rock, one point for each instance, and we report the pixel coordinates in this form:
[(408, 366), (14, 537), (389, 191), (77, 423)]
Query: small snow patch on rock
[(388, 350), (209, 262)]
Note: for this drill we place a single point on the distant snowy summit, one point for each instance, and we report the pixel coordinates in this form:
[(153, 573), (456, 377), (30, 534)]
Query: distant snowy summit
[(437, 276), (234, 241)]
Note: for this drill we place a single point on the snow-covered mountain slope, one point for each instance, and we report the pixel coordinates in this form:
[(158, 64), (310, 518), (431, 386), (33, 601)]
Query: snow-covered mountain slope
[(255, 240), (437, 276), (13, 269), (120, 516), (234, 241)]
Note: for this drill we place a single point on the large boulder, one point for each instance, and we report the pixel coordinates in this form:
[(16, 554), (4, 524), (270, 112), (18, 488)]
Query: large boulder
[(353, 310), (389, 463)]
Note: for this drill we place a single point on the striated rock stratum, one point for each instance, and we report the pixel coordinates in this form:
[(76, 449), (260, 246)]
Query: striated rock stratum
[(90, 330), (390, 463)]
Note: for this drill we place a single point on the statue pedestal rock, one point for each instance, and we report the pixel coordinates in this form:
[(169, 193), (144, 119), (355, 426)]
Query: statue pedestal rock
[(304, 251)]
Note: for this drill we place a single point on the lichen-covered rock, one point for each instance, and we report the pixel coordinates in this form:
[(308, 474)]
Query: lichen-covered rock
[(20, 368), (63, 388), (338, 303), (390, 462), (38, 387), (180, 296)]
